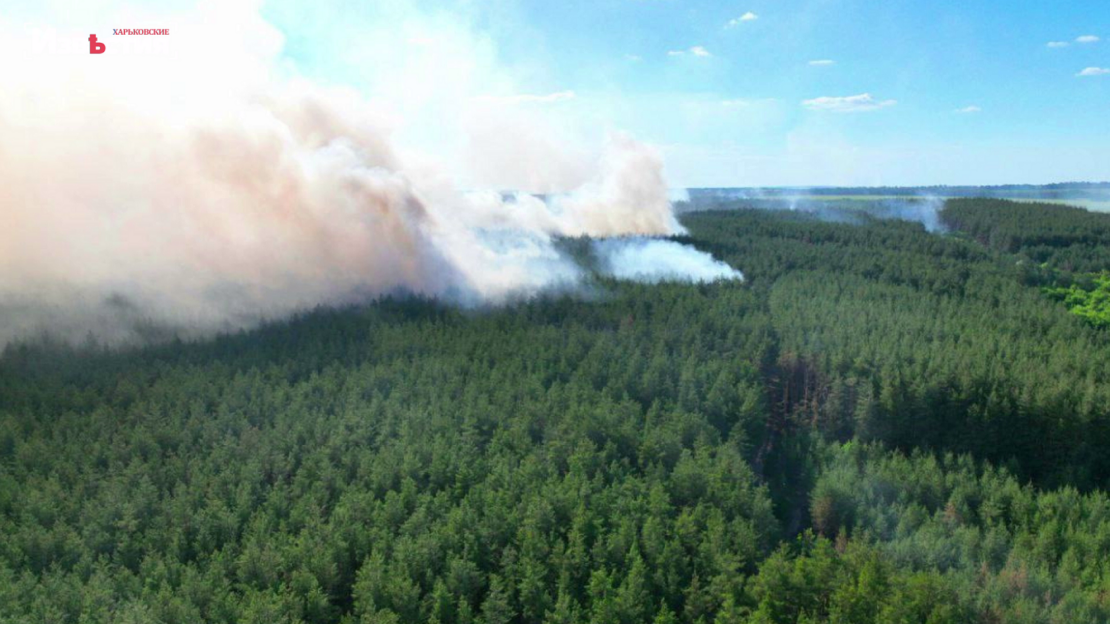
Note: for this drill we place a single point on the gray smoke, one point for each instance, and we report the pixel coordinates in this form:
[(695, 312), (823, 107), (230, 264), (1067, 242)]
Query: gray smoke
[(924, 210)]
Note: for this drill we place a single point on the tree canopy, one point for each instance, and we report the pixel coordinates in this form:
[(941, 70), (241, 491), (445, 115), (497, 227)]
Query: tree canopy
[(881, 424)]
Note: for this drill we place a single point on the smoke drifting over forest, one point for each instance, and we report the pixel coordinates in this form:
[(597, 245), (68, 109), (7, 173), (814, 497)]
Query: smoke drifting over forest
[(652, 261), (218, 191), (920, 208)]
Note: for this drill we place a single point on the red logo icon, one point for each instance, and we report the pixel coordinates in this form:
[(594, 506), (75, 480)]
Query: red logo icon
[(95, 47)]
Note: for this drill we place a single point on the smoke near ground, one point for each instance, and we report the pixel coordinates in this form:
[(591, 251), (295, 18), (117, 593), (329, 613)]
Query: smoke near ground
[(221, 189), (653, 261), (922, 208)]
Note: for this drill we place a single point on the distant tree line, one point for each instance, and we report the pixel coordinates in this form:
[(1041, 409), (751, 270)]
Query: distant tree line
[(1060, 190)]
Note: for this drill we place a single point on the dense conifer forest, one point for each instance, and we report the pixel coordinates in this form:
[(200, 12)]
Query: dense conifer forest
[(879, 424)]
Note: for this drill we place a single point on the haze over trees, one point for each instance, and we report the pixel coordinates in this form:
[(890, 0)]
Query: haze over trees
[(880, 424)]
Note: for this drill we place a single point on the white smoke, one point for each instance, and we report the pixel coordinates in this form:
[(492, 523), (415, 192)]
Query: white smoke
[(924, 210), (653, 261), (209, 189)]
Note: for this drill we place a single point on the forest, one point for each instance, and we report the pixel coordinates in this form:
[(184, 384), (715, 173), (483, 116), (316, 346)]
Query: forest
[(881, 423)]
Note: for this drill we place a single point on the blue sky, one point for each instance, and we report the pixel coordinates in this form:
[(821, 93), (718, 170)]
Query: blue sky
[(743, 92), (959, 91)]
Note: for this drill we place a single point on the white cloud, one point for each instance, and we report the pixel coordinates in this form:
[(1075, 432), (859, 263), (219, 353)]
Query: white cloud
[(822, 62), (529, 98), (1086, 39), (635, 58), (1094, 71), (847, 104), (1057, 44), (736, 21), (968, 110), (695, 50)]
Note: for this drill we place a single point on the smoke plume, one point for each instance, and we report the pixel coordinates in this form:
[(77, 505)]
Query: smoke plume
[(212, 189)]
